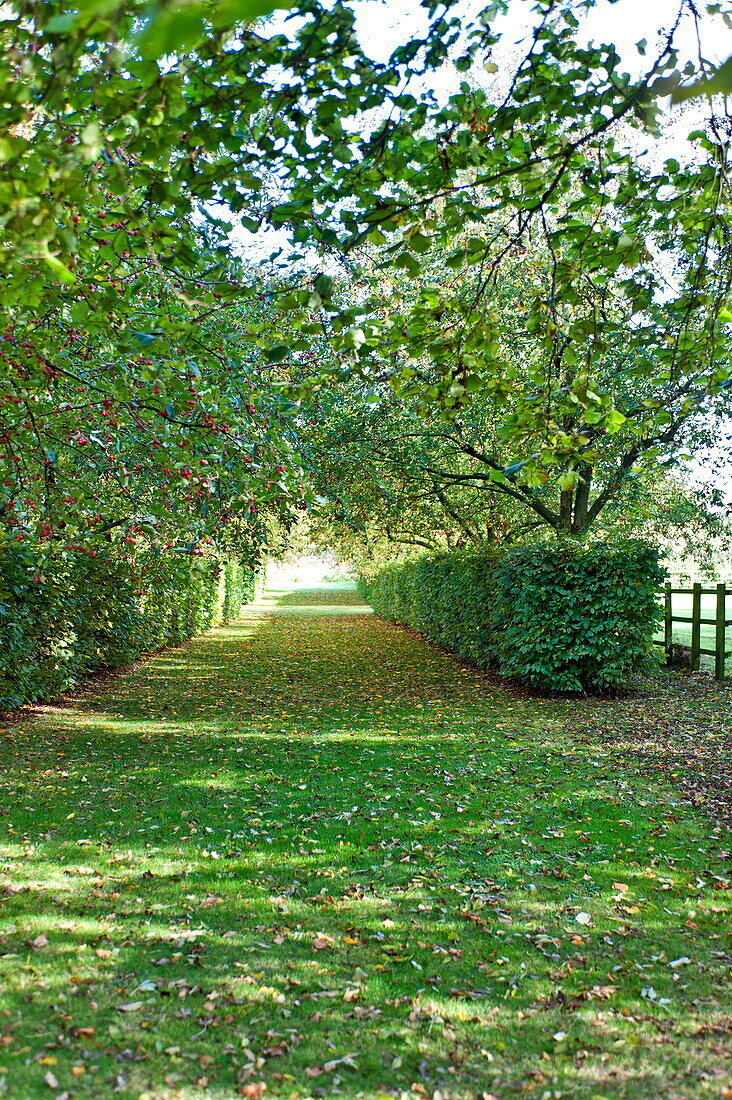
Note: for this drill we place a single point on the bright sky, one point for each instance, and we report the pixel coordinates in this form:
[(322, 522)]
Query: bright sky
[(383, 23)]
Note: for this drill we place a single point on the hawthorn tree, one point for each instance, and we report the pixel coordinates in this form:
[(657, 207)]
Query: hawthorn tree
[(128, 434), (390, 470), (129, 126), (387, 483), (130, 406)]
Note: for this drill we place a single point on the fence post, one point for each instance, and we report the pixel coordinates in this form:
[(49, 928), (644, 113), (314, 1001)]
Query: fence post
[(695, 626), (720, 640), (667, 621)]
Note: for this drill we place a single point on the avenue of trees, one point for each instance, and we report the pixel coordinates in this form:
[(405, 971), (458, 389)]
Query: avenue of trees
[(498, 310)]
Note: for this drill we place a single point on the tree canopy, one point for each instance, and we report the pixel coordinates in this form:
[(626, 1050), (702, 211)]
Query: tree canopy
[(145, 389)]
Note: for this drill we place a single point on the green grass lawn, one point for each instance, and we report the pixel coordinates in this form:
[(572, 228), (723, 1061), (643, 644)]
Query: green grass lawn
[(308, 855)]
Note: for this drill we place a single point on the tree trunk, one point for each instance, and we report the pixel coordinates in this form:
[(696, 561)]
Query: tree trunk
[(580, 519), (566, 500)]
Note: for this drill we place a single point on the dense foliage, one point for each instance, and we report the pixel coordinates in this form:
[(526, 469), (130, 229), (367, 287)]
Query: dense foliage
[(390, 483), (129, 403), (556, 618), (134, 135), (103, 612)]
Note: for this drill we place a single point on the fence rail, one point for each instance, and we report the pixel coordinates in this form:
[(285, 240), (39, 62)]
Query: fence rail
[(720, 622)]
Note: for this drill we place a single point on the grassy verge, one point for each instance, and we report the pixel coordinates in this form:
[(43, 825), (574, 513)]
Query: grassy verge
[(307, 855)]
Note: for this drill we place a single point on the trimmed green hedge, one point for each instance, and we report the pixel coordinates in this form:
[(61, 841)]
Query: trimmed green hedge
[(558, 618), (62, 618)]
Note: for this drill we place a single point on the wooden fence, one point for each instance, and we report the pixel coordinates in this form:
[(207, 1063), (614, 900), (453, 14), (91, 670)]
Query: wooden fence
[(720, 622)]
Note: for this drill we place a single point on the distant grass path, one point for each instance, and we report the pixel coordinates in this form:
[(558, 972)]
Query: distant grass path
[(309, 856)]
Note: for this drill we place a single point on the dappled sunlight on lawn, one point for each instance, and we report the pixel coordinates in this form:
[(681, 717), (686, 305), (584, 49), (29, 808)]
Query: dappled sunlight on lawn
[(313, 853), (327, 609), (334, 595)]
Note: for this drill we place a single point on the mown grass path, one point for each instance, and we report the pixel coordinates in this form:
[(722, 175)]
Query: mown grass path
[(308, 855)]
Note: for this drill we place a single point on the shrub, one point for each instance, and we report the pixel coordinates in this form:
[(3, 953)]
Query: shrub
[(578, 619), (558, 618), (62, 617)]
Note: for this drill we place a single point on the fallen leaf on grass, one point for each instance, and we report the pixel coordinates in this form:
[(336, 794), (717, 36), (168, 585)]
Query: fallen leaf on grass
[(321, 942), (131, 1006), (583, 918), (50, 1080), (254, 1089)]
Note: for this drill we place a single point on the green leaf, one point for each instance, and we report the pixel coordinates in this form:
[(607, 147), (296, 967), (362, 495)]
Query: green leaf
[(720, 83), (9, 146), (277, 354), (58, 268), (178, 26), (228, 12), (614, 421), (60, 24)]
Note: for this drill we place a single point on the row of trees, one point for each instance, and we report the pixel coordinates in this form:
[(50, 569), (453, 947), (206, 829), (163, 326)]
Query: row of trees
[(494, 312)]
